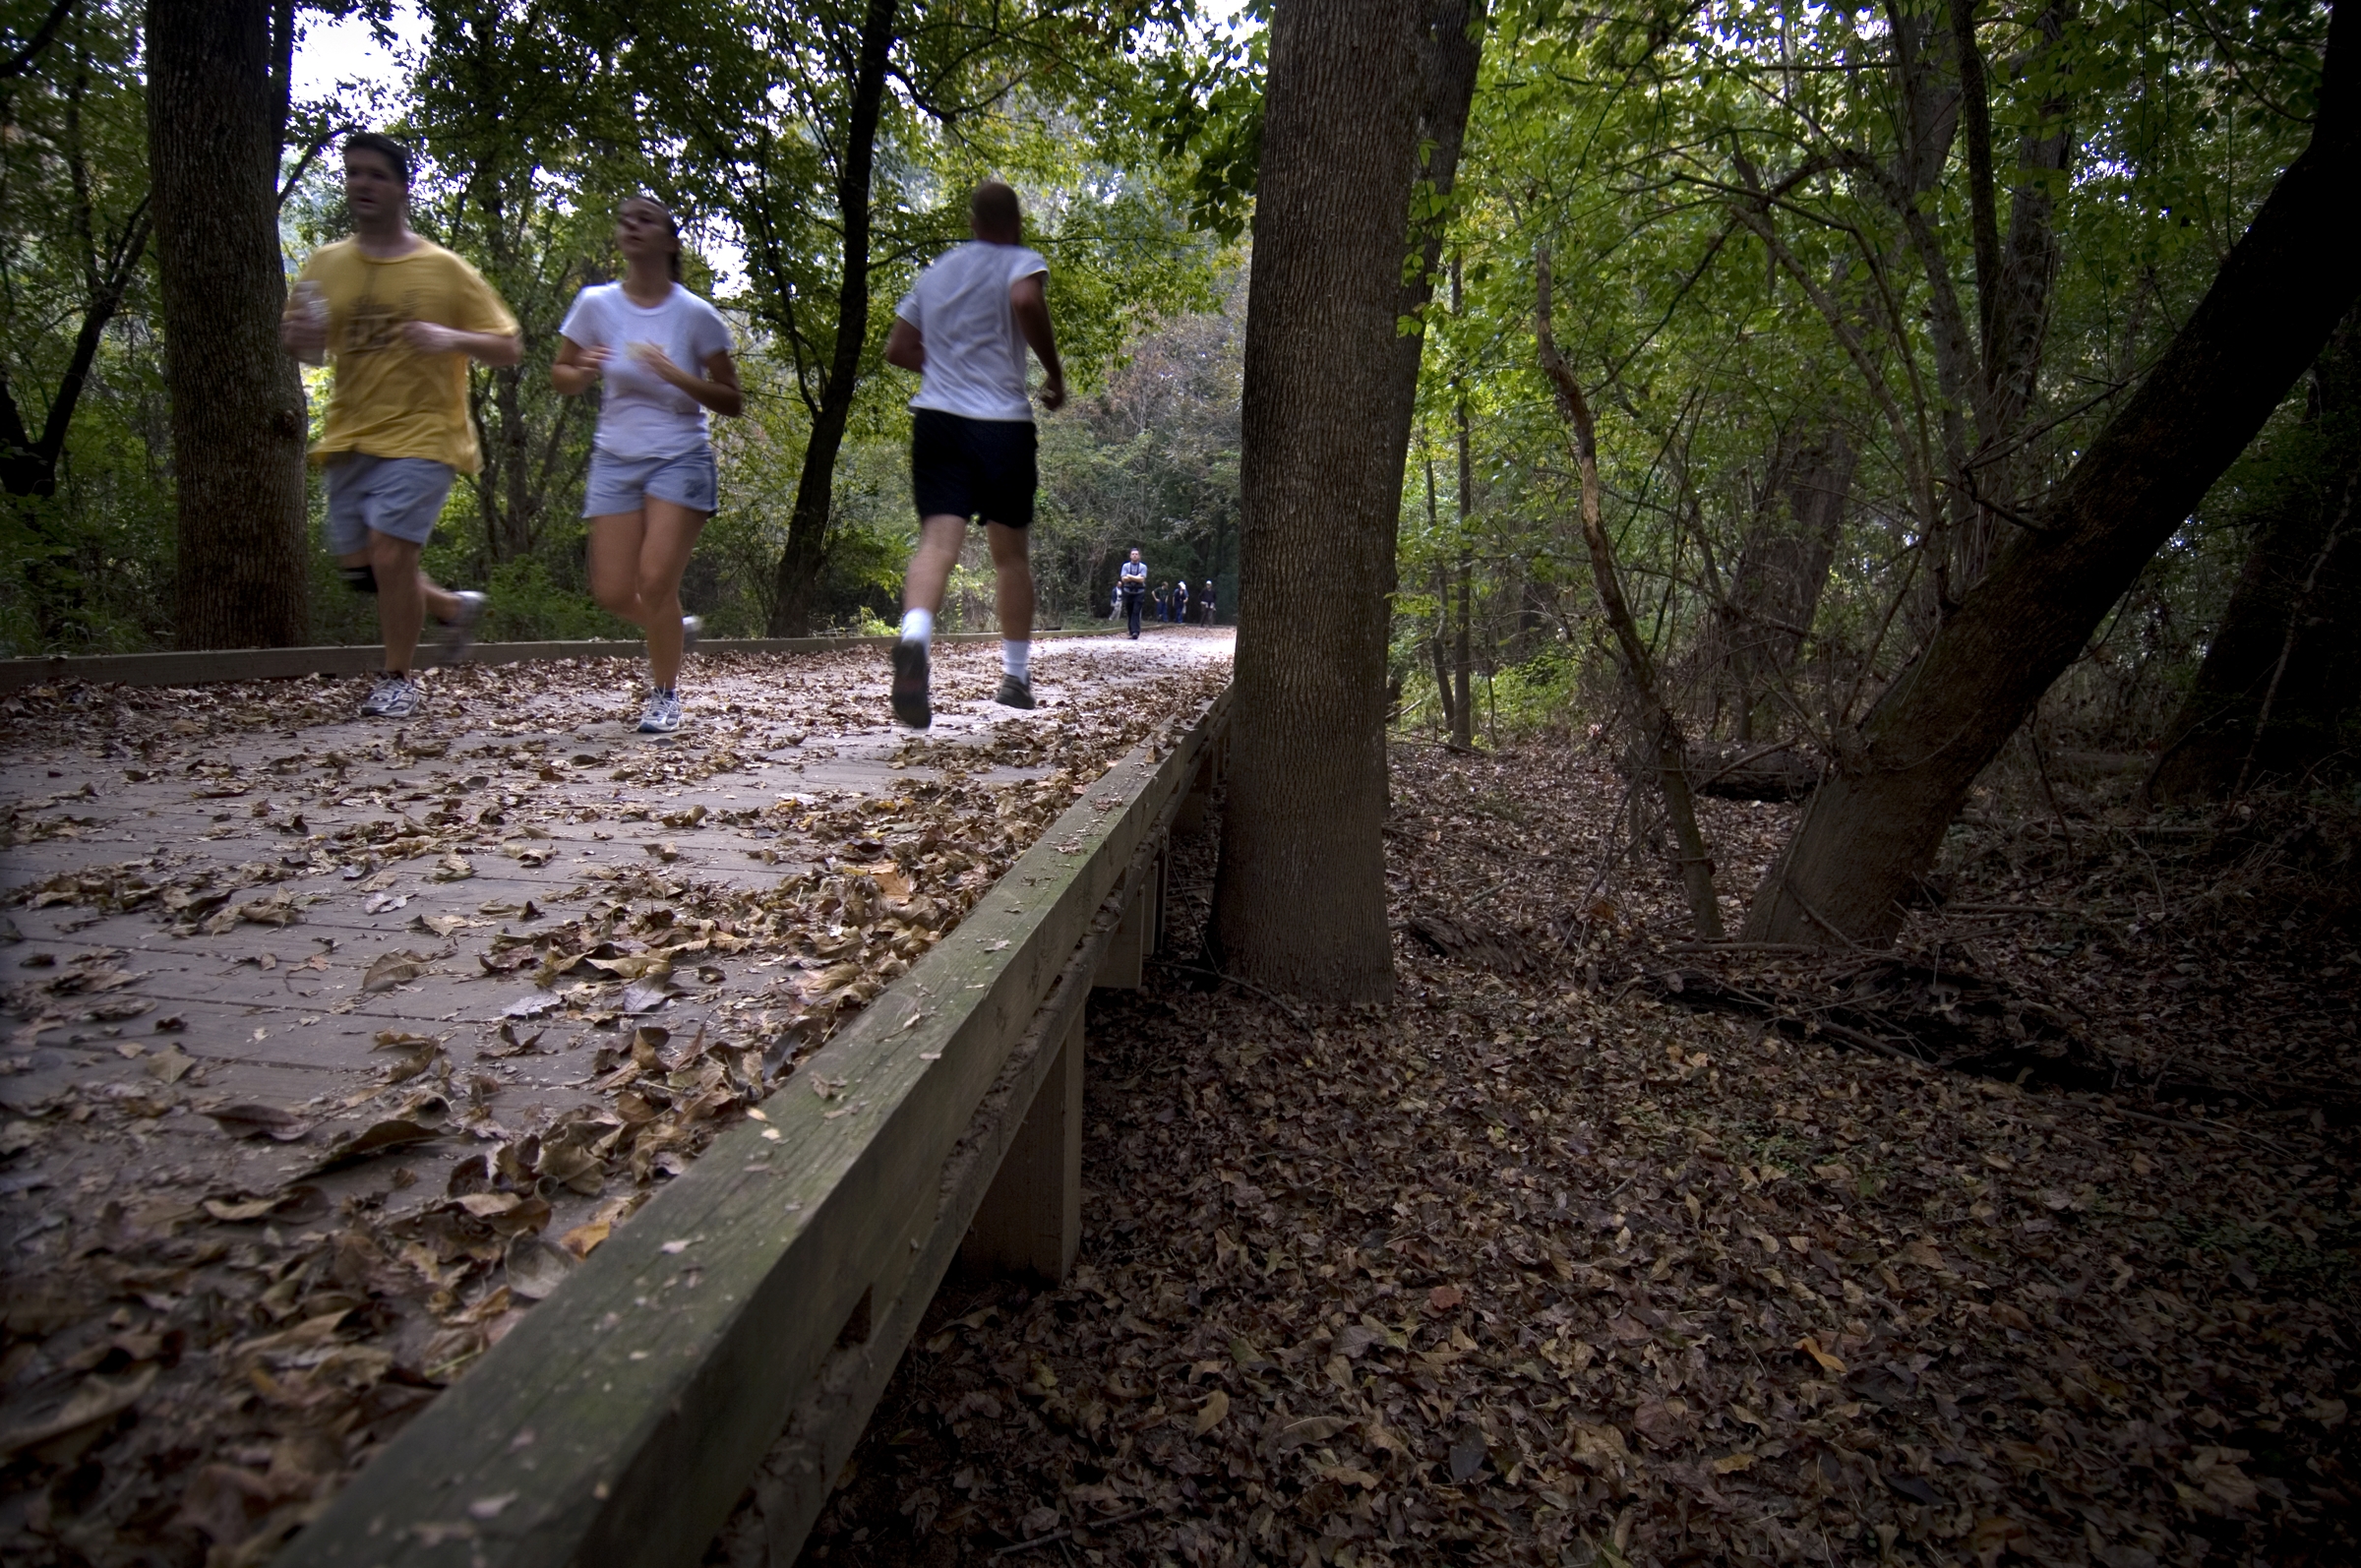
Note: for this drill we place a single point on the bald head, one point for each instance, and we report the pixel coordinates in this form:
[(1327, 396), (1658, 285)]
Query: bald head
[(994, 215)]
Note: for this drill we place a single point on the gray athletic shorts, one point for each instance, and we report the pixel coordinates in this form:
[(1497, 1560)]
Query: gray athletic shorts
[(398, 497), (618, 485)]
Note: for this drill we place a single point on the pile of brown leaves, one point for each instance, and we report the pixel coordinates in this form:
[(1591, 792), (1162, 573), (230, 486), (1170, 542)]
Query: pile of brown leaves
[(1543, 1264), (198, 1350)]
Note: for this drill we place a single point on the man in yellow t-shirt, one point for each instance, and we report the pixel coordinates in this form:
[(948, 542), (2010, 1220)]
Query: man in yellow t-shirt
[(400, 318)]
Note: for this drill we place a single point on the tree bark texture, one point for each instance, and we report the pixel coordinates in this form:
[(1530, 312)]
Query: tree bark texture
[(804, 554), (1463, 664), (1448, 55), (214, 122), (1873, 827), (1659, 731), (1299, 901), (2282, 671), (1782, 567), (1442, 618)]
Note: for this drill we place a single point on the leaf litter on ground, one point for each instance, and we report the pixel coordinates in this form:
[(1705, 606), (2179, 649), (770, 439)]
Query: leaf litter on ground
[(1544, 1264), (190, 1367)]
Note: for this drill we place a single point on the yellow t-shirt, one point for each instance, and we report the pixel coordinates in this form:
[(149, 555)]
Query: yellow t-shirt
[(391, 401)]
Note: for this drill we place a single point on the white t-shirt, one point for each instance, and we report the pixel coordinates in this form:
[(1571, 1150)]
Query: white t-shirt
[(975, 356), (639, 414)]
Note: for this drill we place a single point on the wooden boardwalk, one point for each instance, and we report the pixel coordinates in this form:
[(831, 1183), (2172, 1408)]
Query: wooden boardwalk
[(277, 973)]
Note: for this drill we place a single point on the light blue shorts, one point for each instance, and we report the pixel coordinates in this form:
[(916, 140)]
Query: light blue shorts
[(623, 484), (398, 497)]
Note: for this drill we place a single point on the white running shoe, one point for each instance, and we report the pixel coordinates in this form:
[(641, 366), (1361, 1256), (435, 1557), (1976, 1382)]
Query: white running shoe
[(661, 713), (394, 697), (473, 606)]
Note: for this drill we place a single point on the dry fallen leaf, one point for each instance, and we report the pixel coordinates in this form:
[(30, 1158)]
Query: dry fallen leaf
[(1811, 1347), (389, 970), (380, 1138), (247, 1121)]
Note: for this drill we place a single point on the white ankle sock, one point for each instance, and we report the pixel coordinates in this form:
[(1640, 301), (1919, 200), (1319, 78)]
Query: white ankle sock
[(1016, 658), (918, 626)]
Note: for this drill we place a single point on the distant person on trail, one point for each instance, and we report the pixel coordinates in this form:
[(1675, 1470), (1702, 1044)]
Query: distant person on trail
[(1181, 602), (964, 326), (400, 318), (663, 355), (1132, 585), (1164, 602), (1209, 605)]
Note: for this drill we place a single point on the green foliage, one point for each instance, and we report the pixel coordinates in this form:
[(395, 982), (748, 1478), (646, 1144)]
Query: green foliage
[(533, 123), (1649, 154), (84, 549)]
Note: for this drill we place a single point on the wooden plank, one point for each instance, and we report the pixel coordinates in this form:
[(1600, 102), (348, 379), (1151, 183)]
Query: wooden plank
[(201, 667), (793, 1481), (1124, 967), (619, 1423), (1030, 1222)]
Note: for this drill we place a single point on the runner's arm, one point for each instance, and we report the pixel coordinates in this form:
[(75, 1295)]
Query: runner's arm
[(718, 389), (1029, 298), (578, 368), (496, 349), (904, 348)]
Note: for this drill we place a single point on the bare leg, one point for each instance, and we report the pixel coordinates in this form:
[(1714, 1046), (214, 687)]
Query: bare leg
[(615, 542), (940, 539), (1013, 576), (636, 559), (403, 594), (664, 549)]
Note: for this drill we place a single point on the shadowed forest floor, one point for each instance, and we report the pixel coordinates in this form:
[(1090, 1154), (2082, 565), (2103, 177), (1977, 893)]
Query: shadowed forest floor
[(1593, 1249)]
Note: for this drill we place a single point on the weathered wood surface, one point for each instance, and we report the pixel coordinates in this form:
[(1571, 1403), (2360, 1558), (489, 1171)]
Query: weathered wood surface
[(620, 1422), (198, 667), (531, 776)]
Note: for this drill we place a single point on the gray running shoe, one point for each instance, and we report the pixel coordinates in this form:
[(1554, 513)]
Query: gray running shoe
[(473, 606), (911, 706), (394, 697), (661, 713), (1015, 693), (693, 627)]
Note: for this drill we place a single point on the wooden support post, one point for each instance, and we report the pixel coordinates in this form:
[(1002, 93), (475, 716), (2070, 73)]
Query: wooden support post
[(1159, 883), (1031, 1220), (1191, 815), (1124, 967)]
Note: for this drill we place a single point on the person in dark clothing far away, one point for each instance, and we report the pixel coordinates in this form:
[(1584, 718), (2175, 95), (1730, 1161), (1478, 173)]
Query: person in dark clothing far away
[(1132, 585), (1181, 602), (1209, 604), (964, 326)]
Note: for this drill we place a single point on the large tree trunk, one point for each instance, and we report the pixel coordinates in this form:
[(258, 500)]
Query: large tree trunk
[(1299, 901), (797, 582), (215, 112), (1874, 826), (2279, 675)]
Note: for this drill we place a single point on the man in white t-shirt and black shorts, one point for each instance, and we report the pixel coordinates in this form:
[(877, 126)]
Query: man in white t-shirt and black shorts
[(965, 328)]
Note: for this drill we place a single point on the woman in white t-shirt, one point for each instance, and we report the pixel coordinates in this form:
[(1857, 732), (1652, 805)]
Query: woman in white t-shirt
[(652, 479)]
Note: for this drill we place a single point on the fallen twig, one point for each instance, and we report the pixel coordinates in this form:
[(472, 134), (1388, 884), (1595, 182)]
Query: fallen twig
[(2197, 1126), (1065, 1533), (1277, 1002)]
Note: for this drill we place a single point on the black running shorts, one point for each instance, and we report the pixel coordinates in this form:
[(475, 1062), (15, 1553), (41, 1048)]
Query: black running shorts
[(972, 468)]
